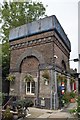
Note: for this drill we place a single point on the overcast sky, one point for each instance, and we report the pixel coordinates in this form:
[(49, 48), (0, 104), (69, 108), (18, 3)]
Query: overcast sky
[(67, 13)]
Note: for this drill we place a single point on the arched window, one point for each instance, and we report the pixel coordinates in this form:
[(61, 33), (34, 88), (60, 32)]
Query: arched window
[(63, 65)]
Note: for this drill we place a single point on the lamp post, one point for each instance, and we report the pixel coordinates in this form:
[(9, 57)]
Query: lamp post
[(75, 60)]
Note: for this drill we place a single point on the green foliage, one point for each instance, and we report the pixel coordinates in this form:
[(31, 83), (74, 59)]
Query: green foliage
[(72, 80), (24, 103), (62, 78), (7, 115), (71, 111), (11, 77), (20, 104), (5, 59), (72, 94), (78, 107), (45, 74), (66, 98), (2, 97), (14, 14), (28, 78)]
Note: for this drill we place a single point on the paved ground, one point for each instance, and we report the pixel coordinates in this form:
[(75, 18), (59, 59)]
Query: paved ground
[(43, 113)]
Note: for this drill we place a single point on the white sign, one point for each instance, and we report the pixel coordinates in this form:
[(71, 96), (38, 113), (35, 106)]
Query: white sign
[(42, 102)]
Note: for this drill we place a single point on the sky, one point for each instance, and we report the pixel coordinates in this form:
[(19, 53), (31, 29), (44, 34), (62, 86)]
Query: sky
[(67, 13)]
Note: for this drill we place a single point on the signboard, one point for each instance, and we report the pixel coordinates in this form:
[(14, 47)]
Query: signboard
[(42, 102), (61, 87)]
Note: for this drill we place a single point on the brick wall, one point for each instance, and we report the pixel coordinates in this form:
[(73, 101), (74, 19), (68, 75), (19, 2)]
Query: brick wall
[(46, 46)]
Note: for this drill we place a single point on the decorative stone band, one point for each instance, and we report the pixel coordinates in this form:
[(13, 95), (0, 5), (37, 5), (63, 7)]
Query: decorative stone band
[(36, 42), (31, 43)]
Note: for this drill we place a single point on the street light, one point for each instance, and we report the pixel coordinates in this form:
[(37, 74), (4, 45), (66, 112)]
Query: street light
[(75, 60)]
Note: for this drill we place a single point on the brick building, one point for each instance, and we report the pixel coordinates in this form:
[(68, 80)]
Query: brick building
[(36, 47)]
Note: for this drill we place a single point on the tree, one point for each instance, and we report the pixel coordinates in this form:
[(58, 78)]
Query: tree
[(5, 59), (14, 14)]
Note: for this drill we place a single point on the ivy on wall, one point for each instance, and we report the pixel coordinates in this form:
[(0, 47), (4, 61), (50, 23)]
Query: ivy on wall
[(62, 78), (28, 78)]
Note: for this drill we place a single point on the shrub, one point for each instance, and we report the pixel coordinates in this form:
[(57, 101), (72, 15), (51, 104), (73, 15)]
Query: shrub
[(7, 115), (72, 94), (28, 78), (24, 103), (78, 107), (71, 111), (66, 98)]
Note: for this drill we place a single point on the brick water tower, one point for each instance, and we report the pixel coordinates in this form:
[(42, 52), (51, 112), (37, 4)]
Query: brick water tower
[(33, 50)]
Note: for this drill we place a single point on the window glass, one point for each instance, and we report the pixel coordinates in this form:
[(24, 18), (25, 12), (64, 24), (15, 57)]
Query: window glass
[(28, 87), (33, 87)]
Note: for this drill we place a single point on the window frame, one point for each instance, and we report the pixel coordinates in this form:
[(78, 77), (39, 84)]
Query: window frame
[(30, 92)]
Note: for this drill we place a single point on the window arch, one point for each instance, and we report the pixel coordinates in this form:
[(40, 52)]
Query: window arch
[(27, 53), (63, 65)]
